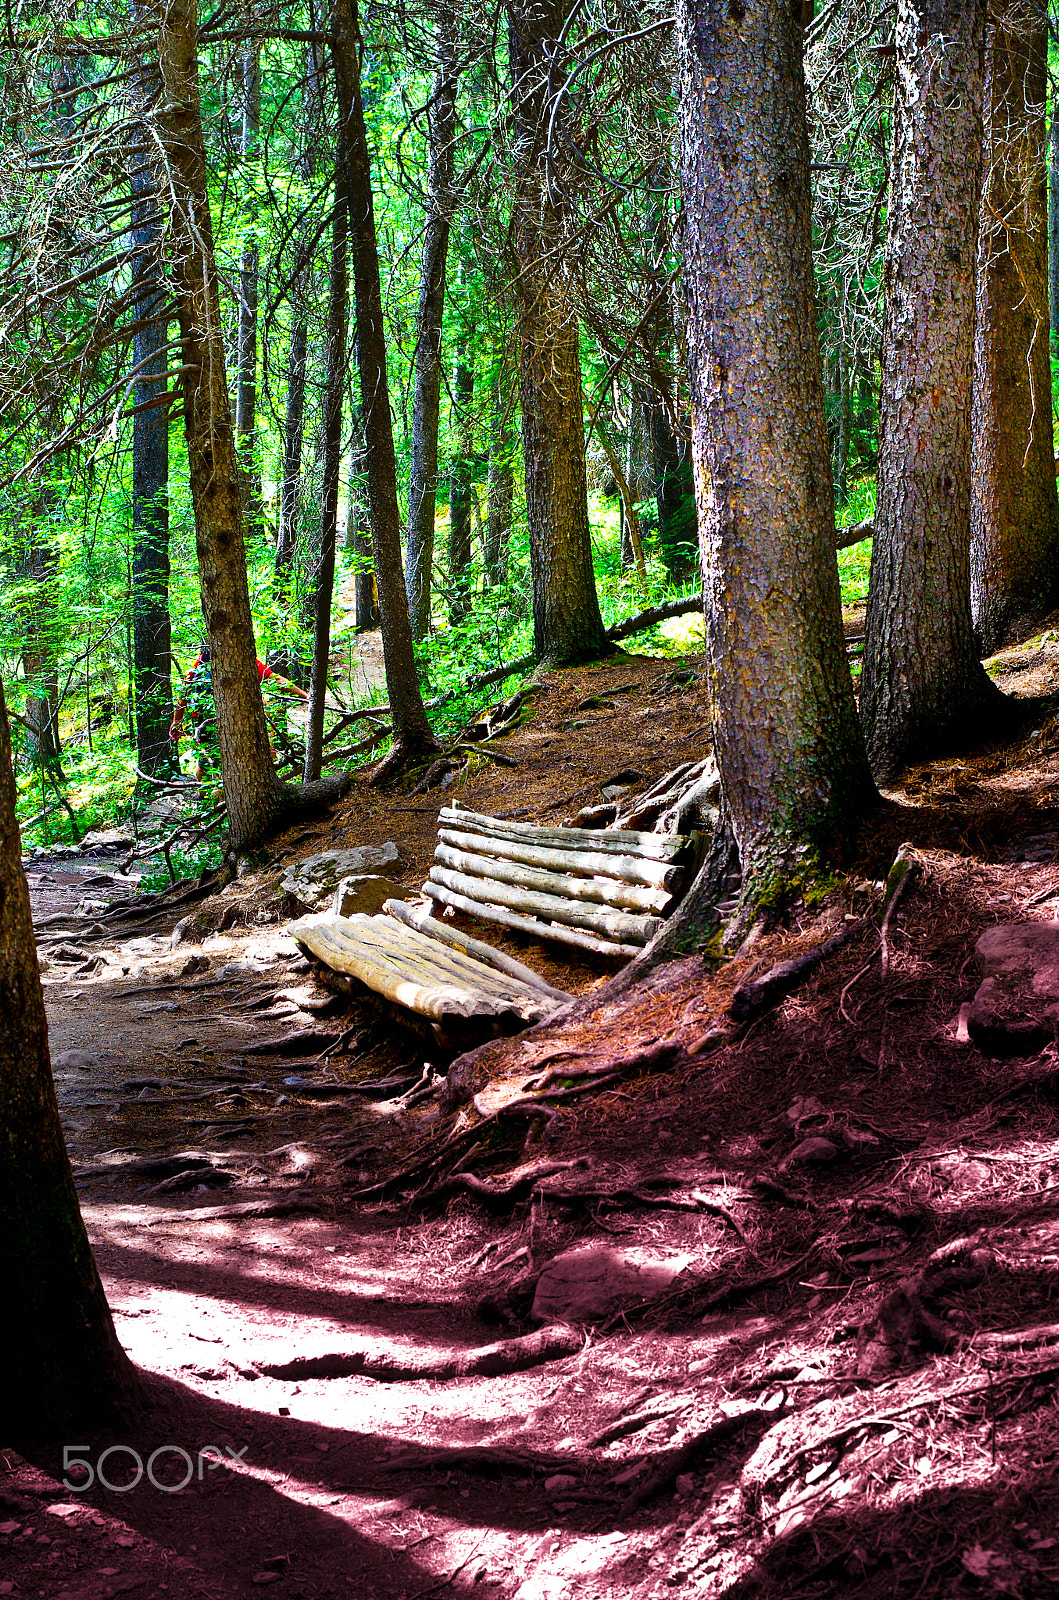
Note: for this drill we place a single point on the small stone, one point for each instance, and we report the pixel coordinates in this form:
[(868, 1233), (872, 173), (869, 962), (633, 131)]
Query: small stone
[(266, 1577), (10, 1527), (811, 1150), (560, 1480), (685, 1484)]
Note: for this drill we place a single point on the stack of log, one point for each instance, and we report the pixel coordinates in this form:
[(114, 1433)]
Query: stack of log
[(683, 801), (606, 892)]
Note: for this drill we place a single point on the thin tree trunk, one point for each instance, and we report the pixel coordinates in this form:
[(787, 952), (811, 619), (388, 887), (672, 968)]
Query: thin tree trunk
[(246, 384), (501, 486), (152, 643), (412, 735), (567, 626), (1014, 507), (334, 391), (293, 441), (63, 1367), (460, 490), (426, 400), (1053, 228), (922, 679), (793, 769)]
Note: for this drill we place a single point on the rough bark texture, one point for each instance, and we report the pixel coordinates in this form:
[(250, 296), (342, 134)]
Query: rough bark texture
[(460, 489), (501, 486), (293, 441), (1014, 508), (252, 791), (922, 678), (793, 769), (62, 1364), (1053, 229), (334, 391), (151, 635), (423, 470), (412, 735), (246, 384), (567, 625)]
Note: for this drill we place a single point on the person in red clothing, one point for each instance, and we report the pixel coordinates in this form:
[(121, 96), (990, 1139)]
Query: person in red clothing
[(197, 704)]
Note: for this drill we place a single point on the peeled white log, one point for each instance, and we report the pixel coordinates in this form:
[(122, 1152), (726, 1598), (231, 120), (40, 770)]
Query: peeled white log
[(550, 931), (586, 862), (620, 925), (601, 891), (420, 918), (654, 845)]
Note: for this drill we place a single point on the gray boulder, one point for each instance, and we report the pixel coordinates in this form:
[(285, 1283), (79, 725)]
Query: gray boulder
[(311, 884), (1016, 1009)]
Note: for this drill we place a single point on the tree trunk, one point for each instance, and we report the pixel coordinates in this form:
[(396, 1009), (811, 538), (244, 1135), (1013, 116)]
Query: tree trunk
[(793, 769), (501, 486), (412, 735), (293, 441), (63, 1367), (151, 636), (460, 489), (567, 626), (334, 391), (1014, 508), (922, 680), (39, 641), (253, 793), (423, 471), (1053, 228), (246, 384)]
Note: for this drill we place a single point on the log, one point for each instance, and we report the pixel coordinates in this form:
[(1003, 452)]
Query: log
[(416, 972), (426, 924), (585, 862), (617, 841), (600, 891), (397, 1365), (610, 924), (536, 929)]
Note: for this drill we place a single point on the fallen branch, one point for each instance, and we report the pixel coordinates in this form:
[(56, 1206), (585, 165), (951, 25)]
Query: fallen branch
[(751, 998), (552, 1343), (904, 871)]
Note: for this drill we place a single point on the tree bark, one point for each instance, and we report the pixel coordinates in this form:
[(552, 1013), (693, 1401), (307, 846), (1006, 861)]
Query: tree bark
[(63, 1366), (426, 401), (151, 632), (501, 486), (1053, 229), (460, 489), (567, 625), (922, 680), (334, 391), (1014, 507), (246, 384), (253, 793), (412, 735), (793, 768), (293, 441)]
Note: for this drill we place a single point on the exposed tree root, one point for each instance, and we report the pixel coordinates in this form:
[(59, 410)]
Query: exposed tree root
[(552, 1343), (677, 1457), (751, 998), (404, 753)]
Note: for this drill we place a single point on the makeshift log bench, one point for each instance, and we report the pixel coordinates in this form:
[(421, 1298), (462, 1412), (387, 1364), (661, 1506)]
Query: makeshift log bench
[(603, 892)]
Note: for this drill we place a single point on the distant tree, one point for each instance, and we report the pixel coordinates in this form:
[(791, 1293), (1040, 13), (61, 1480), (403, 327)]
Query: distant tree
[(922, 680), (63, 1366), (794, 775), (1014, 506)]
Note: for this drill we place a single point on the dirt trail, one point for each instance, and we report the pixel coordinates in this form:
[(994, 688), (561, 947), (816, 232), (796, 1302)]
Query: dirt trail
[(727, 1439)]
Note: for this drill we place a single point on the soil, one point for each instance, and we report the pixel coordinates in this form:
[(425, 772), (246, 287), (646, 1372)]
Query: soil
[(850, 1388)]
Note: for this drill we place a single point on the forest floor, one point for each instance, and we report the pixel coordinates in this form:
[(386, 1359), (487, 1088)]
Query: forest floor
[(849, 1385)]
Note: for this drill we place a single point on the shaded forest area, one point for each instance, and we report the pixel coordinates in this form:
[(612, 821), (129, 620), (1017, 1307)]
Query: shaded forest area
[(441, 448)]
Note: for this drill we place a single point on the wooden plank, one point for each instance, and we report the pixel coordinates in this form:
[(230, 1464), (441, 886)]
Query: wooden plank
[(403, 950), (585, 863), (550, 932), (419, 917), (620, 925), (599, 891), (616, 841)]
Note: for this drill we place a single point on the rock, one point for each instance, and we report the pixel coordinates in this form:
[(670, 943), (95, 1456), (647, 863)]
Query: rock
[(195, 964), (1016, 1009), (587, 1285), (685, 1485), (810, 1150), (75, 1061), (311, 884), (558, 1481), (106, 839), (361, 891)]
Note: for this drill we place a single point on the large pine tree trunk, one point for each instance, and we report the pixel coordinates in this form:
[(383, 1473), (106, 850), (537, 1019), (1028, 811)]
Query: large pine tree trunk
[(63, 1367), (150, 470), (923, 681), (426, 398), (253, 793), (1014, 507), (793, 768), (567, 626), (412, 735)]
